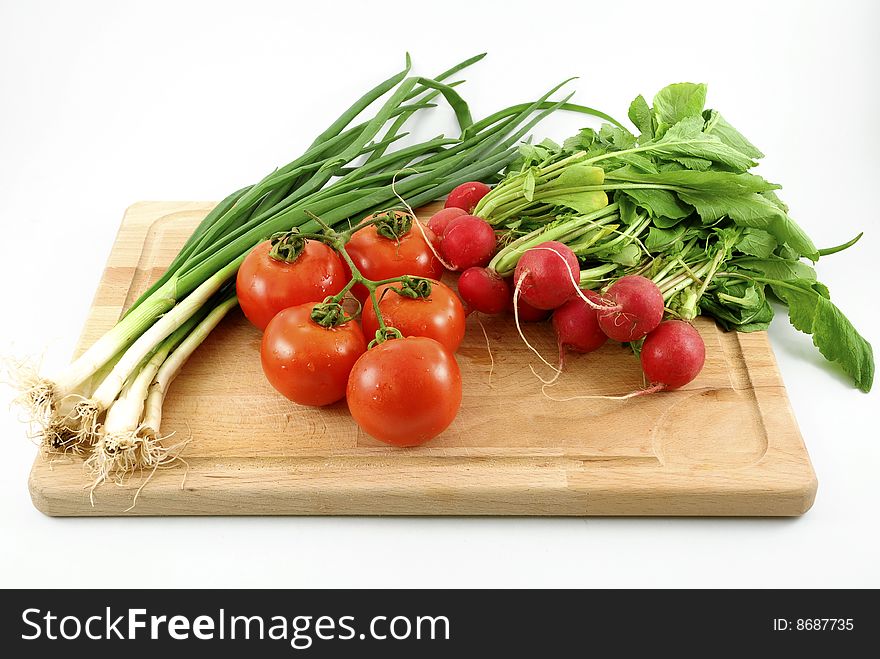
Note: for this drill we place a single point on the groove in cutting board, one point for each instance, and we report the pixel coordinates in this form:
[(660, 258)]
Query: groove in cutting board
[(727, 444)]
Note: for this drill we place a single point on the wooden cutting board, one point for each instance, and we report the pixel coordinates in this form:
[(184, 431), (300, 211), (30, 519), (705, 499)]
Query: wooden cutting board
[(727, 444)]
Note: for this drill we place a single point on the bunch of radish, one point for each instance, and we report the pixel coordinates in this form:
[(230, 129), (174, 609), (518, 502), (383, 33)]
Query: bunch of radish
[(546, 280), (404, 387)]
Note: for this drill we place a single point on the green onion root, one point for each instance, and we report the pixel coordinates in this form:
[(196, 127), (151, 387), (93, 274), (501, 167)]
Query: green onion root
[(130, 440)]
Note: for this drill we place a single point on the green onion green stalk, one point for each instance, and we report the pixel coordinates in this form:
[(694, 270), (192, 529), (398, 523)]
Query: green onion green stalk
[(109, 400)]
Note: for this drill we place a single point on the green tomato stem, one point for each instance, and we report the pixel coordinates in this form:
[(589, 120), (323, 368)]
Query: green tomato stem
[(338, 240)]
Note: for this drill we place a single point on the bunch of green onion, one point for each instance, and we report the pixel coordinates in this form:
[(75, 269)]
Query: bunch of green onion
[(107, 404)]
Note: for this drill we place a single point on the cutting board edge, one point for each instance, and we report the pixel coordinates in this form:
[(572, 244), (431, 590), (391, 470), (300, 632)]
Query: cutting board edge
[(771, 489)]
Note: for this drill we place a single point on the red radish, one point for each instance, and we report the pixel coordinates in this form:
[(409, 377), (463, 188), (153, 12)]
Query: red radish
[(468, 241), (441, 219), (527, 313), (576, 325), (641, 308), (483, 290), (673, 354), (467, 195), (547, 275)]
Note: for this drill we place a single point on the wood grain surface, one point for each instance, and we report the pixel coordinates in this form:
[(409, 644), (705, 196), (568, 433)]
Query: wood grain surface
[(727, 444)]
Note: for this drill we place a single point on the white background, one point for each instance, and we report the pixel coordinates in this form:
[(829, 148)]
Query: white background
[(106, 103)]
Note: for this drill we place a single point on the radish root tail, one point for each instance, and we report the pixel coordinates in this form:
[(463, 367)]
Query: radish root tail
[(516, 293), (633, 394), (559, 369), (489, 350)]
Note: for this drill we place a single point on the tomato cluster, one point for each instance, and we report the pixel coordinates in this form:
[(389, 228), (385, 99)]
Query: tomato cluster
[(396, 368)]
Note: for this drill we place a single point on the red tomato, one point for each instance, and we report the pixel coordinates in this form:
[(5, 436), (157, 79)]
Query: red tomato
[(378, 257), (405, 391), (440, 316), (306, 362), (467, 195), (265, 285)]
